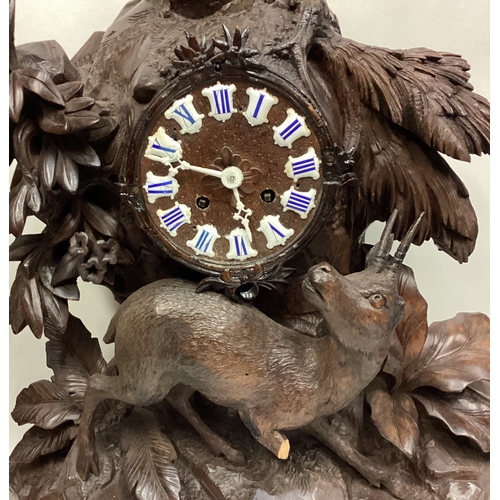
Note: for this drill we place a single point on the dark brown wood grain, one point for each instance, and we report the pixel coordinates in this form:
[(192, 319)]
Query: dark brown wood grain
[(341, 367)]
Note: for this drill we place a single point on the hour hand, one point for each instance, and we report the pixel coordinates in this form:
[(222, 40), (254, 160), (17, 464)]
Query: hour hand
[(184, 165)]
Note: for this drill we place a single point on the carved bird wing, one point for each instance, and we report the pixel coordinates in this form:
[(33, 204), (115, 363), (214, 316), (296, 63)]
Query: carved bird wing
[(399, 107)]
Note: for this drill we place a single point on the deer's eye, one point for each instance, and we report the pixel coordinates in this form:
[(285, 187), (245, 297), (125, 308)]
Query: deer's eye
[(377, 301)]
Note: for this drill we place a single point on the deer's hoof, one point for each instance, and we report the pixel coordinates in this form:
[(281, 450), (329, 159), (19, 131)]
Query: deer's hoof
[(284, 450), (235, 457)]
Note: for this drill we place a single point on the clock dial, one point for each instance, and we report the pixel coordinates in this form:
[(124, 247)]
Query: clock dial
[(231, 172)]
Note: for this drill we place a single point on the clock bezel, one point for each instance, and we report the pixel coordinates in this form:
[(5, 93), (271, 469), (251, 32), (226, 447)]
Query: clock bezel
[(207, 76)]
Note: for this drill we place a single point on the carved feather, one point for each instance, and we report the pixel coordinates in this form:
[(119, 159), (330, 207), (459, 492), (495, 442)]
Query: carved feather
[(399, 107), (419, 89)]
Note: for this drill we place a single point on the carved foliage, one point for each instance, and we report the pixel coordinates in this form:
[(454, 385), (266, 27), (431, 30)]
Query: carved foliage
[(45, 280), (45, 404), (445, 367), (395, 416), (54, 406), (456, 353), (465, 414), (36, 304), (231, 49), (38, 442), (52, 140), (74, 357), (148, 458)]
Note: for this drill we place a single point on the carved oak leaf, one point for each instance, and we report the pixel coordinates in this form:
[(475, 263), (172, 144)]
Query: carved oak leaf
[(22, 246), (62, 151), (456, 353), (31, 307), (482, 387), (66, 172), (16, 96), (55, 309), (74, 356), (67, 268), (68, 291), (45, 405), (38, 442), (101, 220), (103, 131), (16, 317), (70, 90), (412, 330), (17, 208), (80, 151), (74, 117), (445, 459), (69, 224), (24, 188), (395, 416), (36, 304), (148, 456), (47, 163), (466, 414), (39, 82)]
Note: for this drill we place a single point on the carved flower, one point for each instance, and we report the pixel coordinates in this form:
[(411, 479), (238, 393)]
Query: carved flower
[(93, 270), (78, 244), (108, 251), (251, 175)]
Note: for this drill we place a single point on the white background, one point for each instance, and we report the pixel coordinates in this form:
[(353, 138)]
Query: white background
[(458, 26)]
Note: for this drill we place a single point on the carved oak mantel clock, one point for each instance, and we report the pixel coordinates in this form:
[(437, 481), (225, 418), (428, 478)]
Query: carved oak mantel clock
[(231, 171), (241, 162)]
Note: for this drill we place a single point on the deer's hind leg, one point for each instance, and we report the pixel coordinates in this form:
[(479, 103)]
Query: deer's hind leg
[(179, 399), (99, 388), (263, 431)]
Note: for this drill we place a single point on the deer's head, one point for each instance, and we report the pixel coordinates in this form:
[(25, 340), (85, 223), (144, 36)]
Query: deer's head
[(362, 308)]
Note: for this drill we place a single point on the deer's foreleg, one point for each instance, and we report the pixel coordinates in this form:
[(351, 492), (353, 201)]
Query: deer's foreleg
[(399, 483), (328, 435), (265, 434)]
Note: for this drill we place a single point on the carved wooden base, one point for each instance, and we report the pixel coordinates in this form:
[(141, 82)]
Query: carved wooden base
[(447, 469)]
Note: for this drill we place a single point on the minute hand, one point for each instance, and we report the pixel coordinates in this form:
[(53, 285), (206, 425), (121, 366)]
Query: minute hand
[(184, 165)]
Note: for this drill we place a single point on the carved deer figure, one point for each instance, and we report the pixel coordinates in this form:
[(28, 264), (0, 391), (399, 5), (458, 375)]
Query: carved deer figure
[(171, 341)]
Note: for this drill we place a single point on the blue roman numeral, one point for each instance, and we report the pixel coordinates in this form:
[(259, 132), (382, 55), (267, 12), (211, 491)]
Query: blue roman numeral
[(288, 131), (157, 145), (221, 98), (299, 202), (203, 241), (258, 106), (184, 113), (277, 231), (240, 246), (165, 187), (173, 218), (303, 166)]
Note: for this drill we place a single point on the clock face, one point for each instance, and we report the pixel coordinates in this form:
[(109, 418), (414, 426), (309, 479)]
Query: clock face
[(230, 172)]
